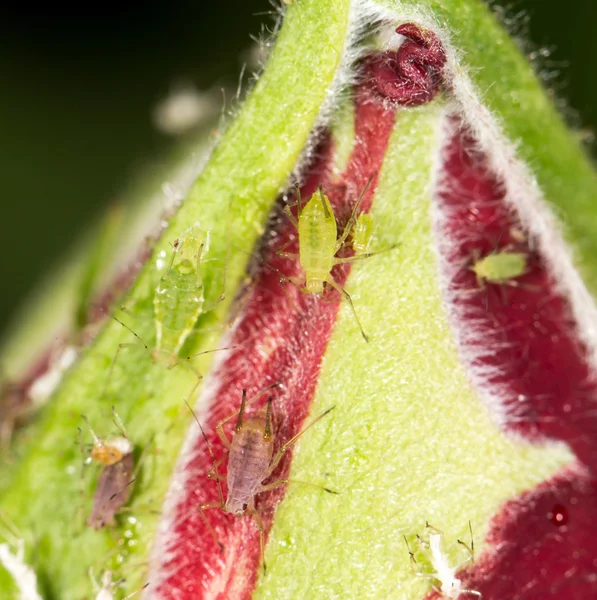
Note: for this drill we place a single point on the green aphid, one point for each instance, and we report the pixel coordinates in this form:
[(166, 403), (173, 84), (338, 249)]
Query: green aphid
[(500, 267), (319, 243), (362, 233), (179, 300)]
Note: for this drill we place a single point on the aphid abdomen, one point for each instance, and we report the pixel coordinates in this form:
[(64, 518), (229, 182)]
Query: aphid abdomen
[(112, 492), (178, 299), (317, 239), (250, 456)]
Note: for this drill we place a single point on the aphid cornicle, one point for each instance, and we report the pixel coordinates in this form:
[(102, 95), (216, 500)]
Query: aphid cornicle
[(250, 461), (319, 243), (115, 482), (450, 587)]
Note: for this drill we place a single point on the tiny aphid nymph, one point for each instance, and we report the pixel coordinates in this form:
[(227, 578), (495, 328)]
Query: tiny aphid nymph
[(363, 231), (500, 268), (116, 480), (450, 587), (250, 461)]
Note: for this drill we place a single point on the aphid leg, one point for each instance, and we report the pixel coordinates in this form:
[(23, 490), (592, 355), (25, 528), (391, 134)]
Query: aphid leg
[(297, 284), (280, 453), (413, 562), (220, 504), (268, 487), (353, 217), (434, 529), (212, 473), (289, 214), (340, 289), (259, 522), (211, 351), (298, 204), (349, 259), (146, 585), (471, 548), (282, 251), (202, 508), (299, 200)]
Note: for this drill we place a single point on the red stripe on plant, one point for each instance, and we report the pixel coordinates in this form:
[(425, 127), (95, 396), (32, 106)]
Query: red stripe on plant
[(518, 337), (280, 344), (545, 544), (520, 342)]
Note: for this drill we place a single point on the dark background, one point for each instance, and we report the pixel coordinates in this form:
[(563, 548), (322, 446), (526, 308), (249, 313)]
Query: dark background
[(76, 94)]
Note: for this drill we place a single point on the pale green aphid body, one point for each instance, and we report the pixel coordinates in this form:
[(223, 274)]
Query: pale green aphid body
[(318, 237), (363, 231), (500, 267), (179, 299)]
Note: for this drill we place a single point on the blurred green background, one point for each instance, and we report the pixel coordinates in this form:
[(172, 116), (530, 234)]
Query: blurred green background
[(77, 93)]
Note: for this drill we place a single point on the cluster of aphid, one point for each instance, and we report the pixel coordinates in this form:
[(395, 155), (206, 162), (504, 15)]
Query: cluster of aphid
[(178, 302)]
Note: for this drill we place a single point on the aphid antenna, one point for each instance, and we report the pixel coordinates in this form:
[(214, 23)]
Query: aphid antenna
[(353, 215), (326, 211), (118, 422), (217, 478), (120, 347), (131, 330), (176, 246), (241, 410), (96, 440)]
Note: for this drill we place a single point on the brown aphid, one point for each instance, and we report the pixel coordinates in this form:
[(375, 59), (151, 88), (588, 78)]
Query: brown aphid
[(114, 486), (250, 462)]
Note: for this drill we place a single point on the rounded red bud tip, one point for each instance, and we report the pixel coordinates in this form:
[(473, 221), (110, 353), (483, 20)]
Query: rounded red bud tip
[(412, 75)]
